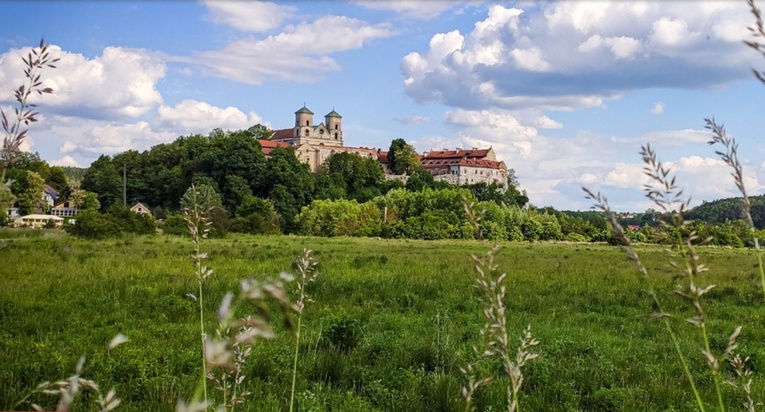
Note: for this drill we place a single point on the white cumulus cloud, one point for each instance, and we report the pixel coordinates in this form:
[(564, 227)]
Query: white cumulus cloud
[(300, 53), (119, 83), (191, 116), (252, 16), (576, 54)]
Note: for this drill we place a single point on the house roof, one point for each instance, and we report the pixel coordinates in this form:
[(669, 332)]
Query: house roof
[(382, 157), (443, 154), (40, 217), (268, 145), (283, 134), (304, 110), (50, 190), (136, 205), (444, 162), (333, 113)]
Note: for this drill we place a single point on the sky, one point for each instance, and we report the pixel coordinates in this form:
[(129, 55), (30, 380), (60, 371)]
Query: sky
[(566, 93)]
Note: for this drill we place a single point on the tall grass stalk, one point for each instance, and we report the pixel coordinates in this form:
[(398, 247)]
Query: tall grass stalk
[(665, 193), (307, 273), (68, 389), (663, 190), (495, 332), (197, 204), (730, 156), (601, 203), (16, 129)]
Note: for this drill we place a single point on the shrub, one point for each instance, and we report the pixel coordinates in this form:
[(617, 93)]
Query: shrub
[(93, 225), (174, 224)]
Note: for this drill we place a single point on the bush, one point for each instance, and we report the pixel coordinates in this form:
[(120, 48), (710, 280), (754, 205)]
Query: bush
[(92, 225), (174, 224)]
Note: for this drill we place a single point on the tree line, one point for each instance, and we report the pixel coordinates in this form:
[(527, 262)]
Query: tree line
[(350, 196)]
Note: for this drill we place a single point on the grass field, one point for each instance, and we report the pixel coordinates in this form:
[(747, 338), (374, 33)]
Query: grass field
[(392, 323)]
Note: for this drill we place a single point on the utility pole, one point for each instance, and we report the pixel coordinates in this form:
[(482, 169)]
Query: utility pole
[(124, 184)]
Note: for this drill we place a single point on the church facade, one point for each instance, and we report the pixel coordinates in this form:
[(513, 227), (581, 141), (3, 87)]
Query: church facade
[(314, 143)]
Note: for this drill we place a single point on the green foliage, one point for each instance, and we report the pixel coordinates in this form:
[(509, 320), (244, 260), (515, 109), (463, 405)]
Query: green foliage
[(402, 158), (290, 185), (362, 177), (339, 218), (91, 224), (729, 210), (256, 216), (130, 222), (57, 179), (103, 179), (174, 224), (28, 189), (419, 180)]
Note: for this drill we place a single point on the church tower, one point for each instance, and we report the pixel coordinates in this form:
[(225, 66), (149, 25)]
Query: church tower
[(303, 122), (334, 123)]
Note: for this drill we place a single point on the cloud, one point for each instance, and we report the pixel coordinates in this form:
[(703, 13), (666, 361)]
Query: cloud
[(191, 116), (411, 119), (573, 55), (299, 54), (415, 9), (65, 161), (658, 108), (541, 163), (120, 83), (83, 140), (667, 138), (249, 16)]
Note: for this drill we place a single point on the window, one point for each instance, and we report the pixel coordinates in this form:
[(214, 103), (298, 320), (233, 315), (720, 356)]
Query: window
[(307, 123), (335, 136), (321, 131), (336, 126), (306, 132)]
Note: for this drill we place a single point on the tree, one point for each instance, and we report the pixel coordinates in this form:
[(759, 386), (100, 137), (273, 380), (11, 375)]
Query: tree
[(103, 179), (403, 158), (259, 131), (363, 176), (289, 185), (57, 179), (28, 188)]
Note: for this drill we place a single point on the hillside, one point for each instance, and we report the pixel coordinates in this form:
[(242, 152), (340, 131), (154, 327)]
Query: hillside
[(722, 210)]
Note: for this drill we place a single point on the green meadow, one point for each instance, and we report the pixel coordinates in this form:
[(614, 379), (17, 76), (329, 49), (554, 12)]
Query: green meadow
[(392, 323)]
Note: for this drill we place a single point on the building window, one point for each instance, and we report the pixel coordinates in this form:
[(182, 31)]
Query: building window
[(307, 123), (335, 136), (337, 126), (321, 131), (306, 132)]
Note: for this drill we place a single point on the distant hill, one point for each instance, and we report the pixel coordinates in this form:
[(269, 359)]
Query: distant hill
[(75, 173), (721, 210)]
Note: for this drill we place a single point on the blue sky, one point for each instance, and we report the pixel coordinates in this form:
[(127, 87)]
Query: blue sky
[(565, 92)]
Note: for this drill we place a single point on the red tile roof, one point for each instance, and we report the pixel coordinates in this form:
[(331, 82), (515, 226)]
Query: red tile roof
[(268, 145), (437, 163), (454, 154), (283, 134)]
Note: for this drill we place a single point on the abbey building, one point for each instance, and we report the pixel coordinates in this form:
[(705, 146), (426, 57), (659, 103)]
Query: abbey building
[(314, 143)]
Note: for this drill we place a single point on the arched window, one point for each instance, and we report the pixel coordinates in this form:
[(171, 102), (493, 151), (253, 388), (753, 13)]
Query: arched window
[(337, 126), (307, 123), (335, 136), (306, 132)]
